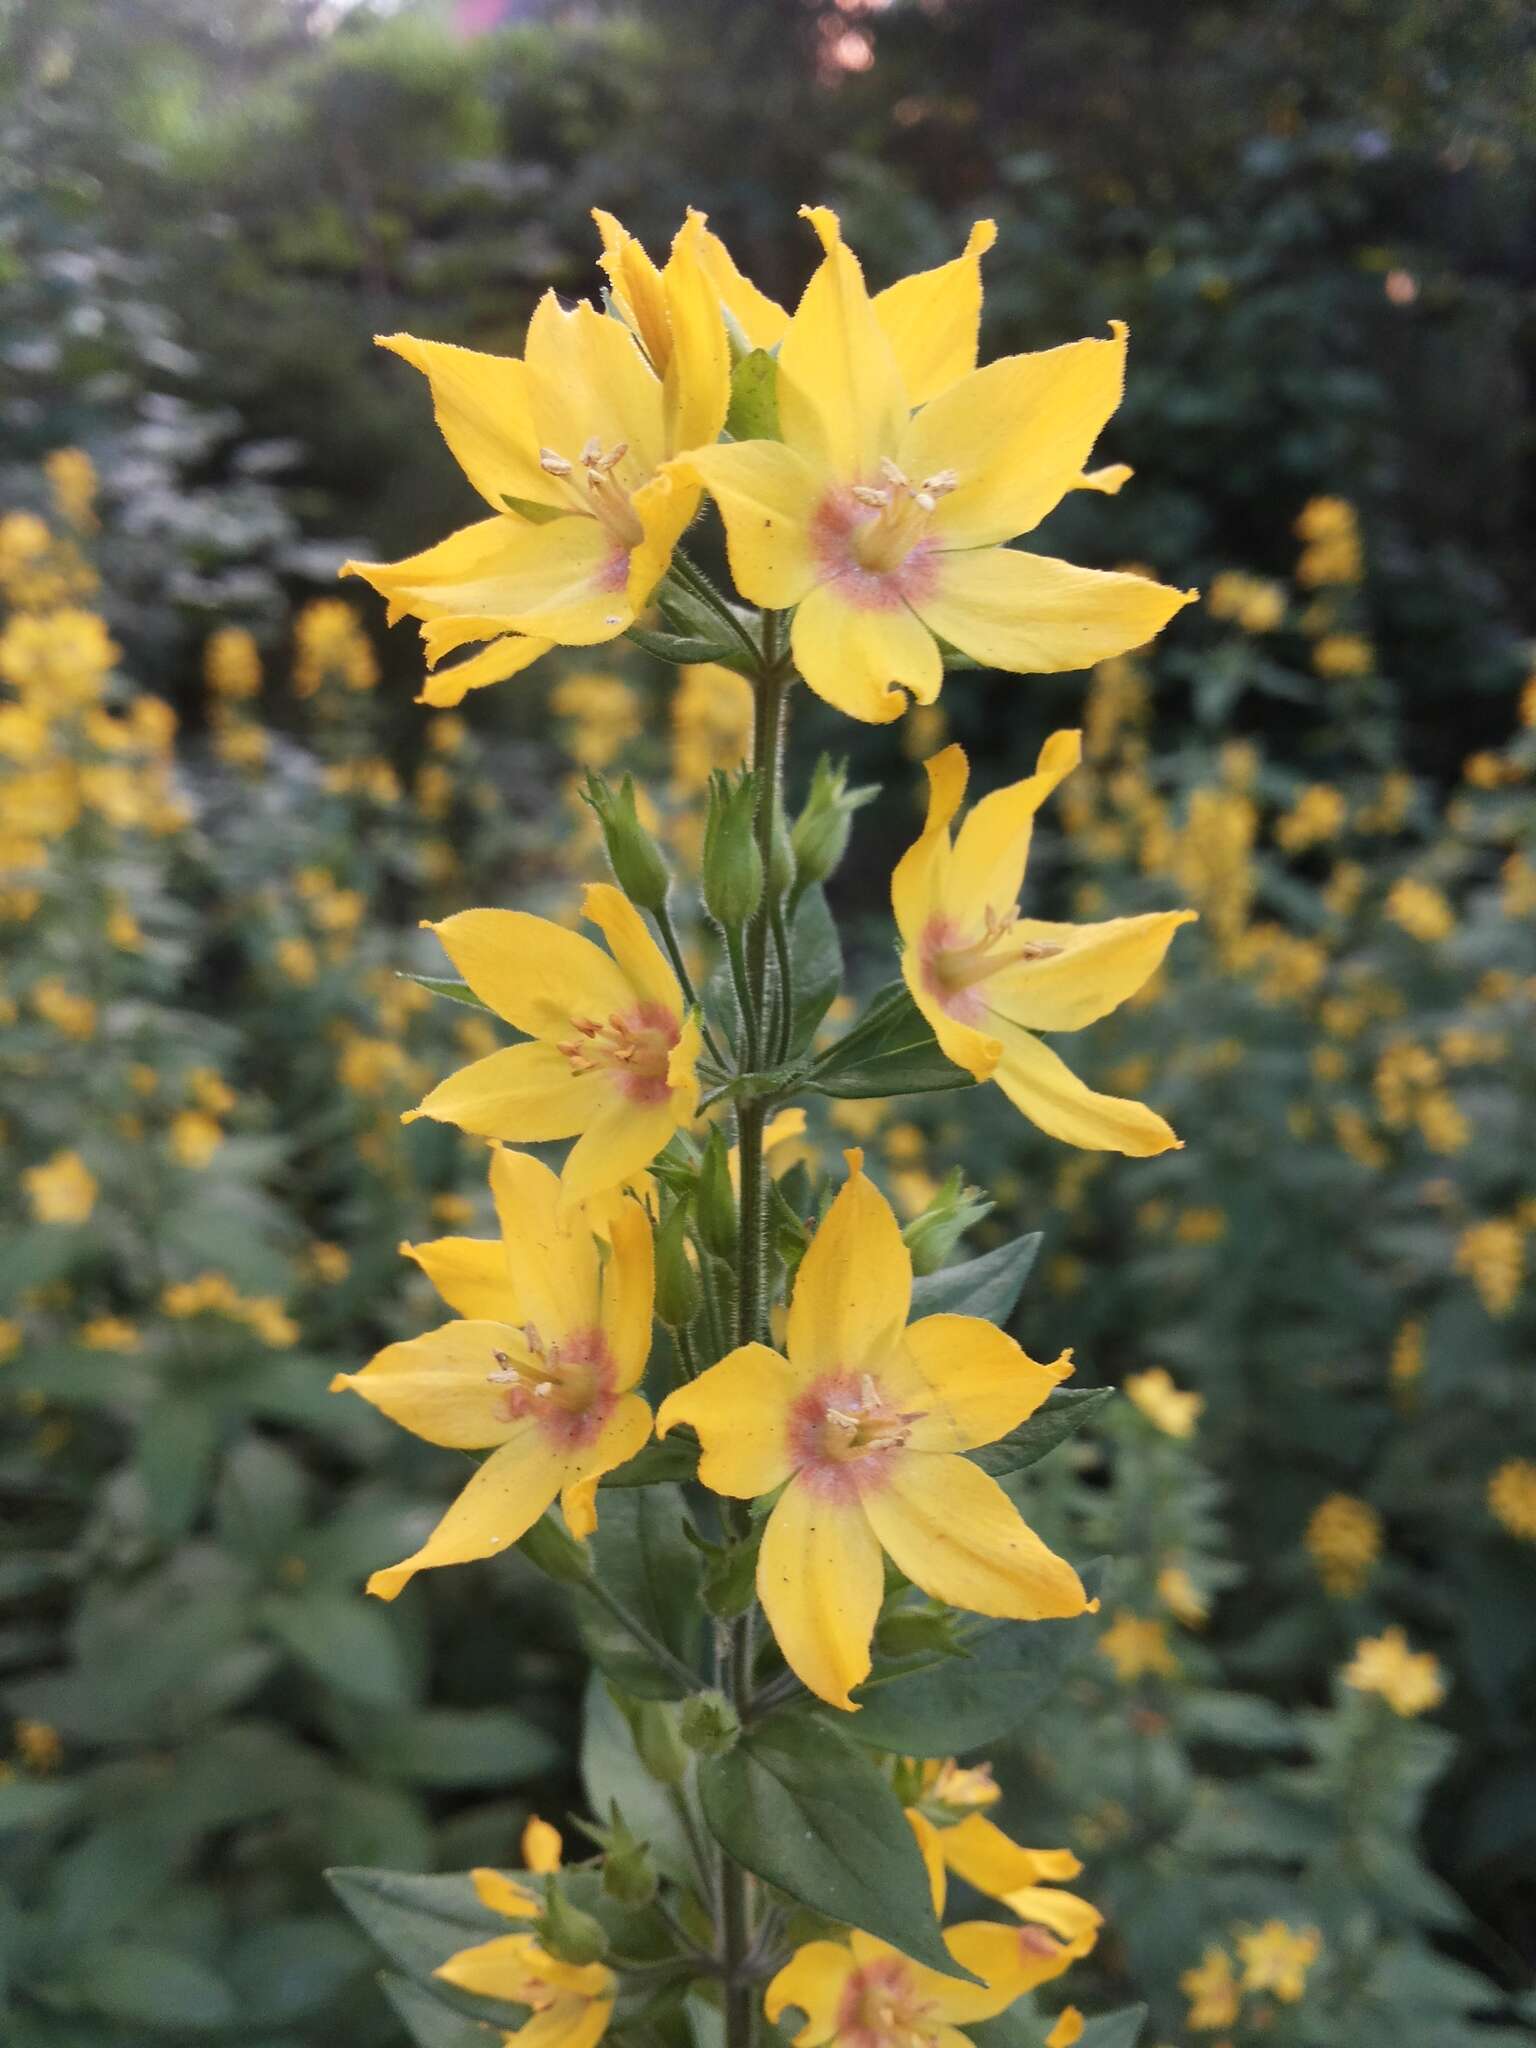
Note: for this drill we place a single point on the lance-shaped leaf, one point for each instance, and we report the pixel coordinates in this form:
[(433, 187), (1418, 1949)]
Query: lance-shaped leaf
[(799, 1804), (1062, 1416), (988, 1287), (890, 1050)]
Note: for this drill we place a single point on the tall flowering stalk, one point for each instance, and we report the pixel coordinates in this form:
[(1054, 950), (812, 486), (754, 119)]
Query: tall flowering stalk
[(816, 1581)]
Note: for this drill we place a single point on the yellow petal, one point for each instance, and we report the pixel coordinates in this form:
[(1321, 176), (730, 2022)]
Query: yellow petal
[(971, 1381), (664, 507), (567, 2023), (637, 289), (588, 380), (447, 634), (929, 1842), (1007, 1957), (696, 390), (499, 1968), (854, 1285), (1039, 1082), (1099, 965), (932, 319), (978, 1851), (438, 1386), (554, 1264), (767, 495), (617, 1144), (919, 885), (739, 1410), (482, 407), (496, 1890), (760, 319), (526, 1093), (956, 1534), (1108, 481), (626, 1431), (1016, 434), (840, 394), (1068, 2030), (450, 579), (855, 656), (563, 581), (1033, 615), (641, 961), (502, 1501), (1064, 1913), (992, 845), (820, 1579), (950, 1997), (505, 657), (470, 1273), (978, 1052), (536, 974), (629, 1292), (813, 1979), (541, 1847)]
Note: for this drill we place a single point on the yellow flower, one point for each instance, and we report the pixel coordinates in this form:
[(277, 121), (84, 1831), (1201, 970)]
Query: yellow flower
[(1407, 1352), (1420, 909), (63, 1190), (39, 1745), (566, 446), (1060, 1926), (296, 961), (1211, 1988), (1343, 654), (232, 665), (58, 1005), (987, 980), (862, 1425), (1492, 1255), (11, 1334), (329, 644), (1276, 1958), (72, 480), (109, 1333), (1174, 1411), (1512, 1497), (1319, 813), (860, 1993), (883, 526), (544, 1383), (195, 1137), (1343, 1538), (611, 1051), (1182, 1597), (1136, 1646), (1410, 1682), (1258, 606), (571, 2003)]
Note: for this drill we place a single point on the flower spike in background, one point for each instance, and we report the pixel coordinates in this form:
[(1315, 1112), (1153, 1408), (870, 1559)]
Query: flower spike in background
[(987, 979), (862, 1424)]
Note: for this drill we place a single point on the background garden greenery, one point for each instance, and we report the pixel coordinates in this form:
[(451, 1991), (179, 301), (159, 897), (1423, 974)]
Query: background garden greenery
[(223, 816)]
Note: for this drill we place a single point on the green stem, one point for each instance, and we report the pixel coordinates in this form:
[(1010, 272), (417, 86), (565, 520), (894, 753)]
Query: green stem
[(785, 963), (641, 1635), (688, 572), (748, 1002), (685, 980)]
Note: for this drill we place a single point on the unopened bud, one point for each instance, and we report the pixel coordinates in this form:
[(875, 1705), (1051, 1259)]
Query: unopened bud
[(677, 1281), (820, 834), (567, 1932), (629, 1874), (653, 1729), (715, 1199), (709, 1724), (637, 864), (733, 862), (931, 1236)]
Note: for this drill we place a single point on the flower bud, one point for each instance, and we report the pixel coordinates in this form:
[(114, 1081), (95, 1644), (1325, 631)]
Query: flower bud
[(715, 1199), (558, 1555), (820, 834), (629, 1874), (931, 1236), (733, 863), (567, 1932), (781, 856), (638, 866), (677, 1281), (709, 1724)]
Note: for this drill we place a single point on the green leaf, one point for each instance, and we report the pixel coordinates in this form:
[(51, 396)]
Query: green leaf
[(174, 1456), (754, 408), (799, 1804), (683, 649), (642, 1558), (943, 1706), (429, 2022), (133, 1981), (890, 1050), (31, 1803), (349, 1643), (816, 956), (419, 1922), (1120, 2029), (453, 991), (456, 1746), (988, 1287), (537, 514), (611, 1769), (1062, 1416), (659, 1464)]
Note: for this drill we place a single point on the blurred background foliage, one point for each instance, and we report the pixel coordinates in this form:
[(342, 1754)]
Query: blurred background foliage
[(223, 816)]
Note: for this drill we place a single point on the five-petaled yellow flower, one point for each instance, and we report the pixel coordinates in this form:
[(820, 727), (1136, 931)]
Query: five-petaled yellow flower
[(862, 1425), (568, 447), (611, 1052), (987, 979), (541, 1375), (571, 2003), (885, 525)]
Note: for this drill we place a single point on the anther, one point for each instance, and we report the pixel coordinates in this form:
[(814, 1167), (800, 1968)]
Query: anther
[(553, 464), (869, 494)]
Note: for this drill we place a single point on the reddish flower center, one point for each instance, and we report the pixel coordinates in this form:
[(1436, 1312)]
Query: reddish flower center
[(843, 1431), (873, 541), (955, 967), (565, 1384), (633, 1048), (882, 2007)]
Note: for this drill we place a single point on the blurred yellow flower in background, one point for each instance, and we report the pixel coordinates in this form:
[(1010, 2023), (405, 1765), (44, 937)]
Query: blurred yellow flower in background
[(1410, 1682)]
